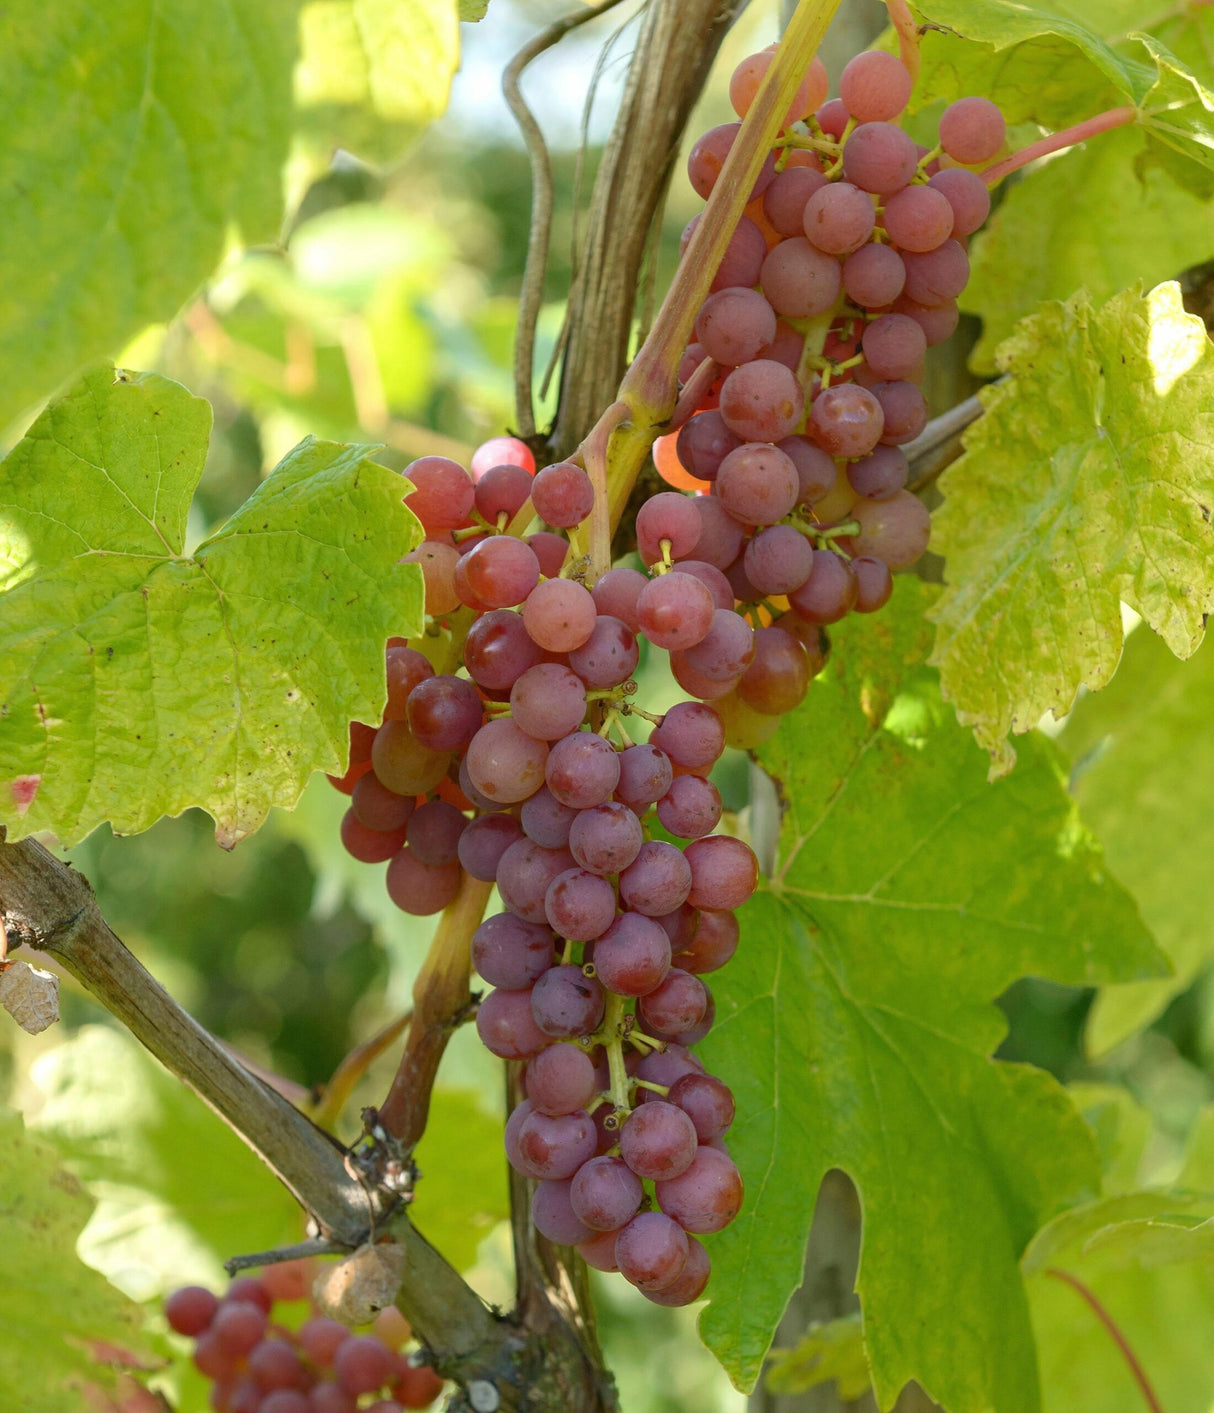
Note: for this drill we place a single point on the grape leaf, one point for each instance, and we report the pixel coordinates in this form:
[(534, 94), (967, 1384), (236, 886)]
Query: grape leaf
[(1145, 759), (372, 72), (855, 1029), (133, 138), (177, 1192), (1087, 219), (1089, 480), (473, 9), (137, 680), (1046, 67), (51, 1303)]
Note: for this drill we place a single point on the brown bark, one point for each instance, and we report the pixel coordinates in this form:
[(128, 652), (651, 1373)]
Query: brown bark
[(675, 47)]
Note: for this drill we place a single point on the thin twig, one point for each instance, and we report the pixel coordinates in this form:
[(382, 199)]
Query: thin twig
[(316, 1246), (336, 1093), (1127, 1353), (531, 295)]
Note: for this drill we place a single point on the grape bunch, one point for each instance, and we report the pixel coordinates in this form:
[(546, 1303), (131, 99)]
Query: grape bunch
[(258, 1366), (511, 750)]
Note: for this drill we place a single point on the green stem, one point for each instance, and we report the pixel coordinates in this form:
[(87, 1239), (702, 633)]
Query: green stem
[(613, 1029)]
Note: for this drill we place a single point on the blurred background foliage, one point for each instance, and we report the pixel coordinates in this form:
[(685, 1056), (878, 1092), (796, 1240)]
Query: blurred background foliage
[(386, 313)]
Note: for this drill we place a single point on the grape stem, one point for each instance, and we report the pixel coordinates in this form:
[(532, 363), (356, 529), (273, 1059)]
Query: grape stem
[(1068, 137), (612, 1030), (908, 35)]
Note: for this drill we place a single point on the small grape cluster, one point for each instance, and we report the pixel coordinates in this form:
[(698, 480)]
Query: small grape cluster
[(845, 268), (322, 1367), (520, 768)]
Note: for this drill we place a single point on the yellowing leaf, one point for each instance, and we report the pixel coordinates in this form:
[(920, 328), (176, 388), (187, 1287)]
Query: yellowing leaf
[(136, 680), (1089, 481)]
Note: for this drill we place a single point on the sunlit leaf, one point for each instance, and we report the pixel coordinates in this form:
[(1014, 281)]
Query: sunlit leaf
[(138, 680)]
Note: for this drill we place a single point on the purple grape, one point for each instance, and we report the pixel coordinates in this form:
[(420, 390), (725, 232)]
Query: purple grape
[(689, 1285), (506, 1025), (556, 1147), (633, 956), (562, 494), (675, 1006), (498, 650), (778, 559), (546, 820), (583, 770), (565, 1002), (553, 1214), (434, 832), (549, 701), (675, 610), (658, 1140), (524, 873), (692, 736), (605, 1193), (484, 841), (707, 1102), (616, 593), (561, 1080), (724, 872), (691, 808), (645, 775), (609, 657), (758, 485), (510, 953), (657, 881), (607, 838), (504, 763), (707, 1196), (651, 1251), (580, 905)]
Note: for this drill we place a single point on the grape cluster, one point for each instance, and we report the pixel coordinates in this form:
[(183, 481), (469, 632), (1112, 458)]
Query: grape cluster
[(258, 1366), (522, 766), (844, 270)]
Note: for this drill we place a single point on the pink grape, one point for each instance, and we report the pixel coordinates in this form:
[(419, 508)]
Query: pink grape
[(972, 130), (762, 400)]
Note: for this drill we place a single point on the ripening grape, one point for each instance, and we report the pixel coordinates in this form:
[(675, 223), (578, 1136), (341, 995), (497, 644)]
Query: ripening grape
[(562, 494), (799, 281), (972, 130), (757, 484), (733, 325), (894, 530), (879, 158), (762, 400), (442, 494), (918, 218), (501, 491), (875, 86), (839, 218)]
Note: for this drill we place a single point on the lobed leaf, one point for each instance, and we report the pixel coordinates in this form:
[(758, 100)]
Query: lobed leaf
[(855, 1023), (1088, 482), (138, 680)]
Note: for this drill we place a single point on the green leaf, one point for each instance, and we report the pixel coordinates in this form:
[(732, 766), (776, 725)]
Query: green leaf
[(375, 71), (134, 138), (1041, 65), (855, 1023), (137, 680), (1089, 481), (473, 9), (51, 1303), (1086, 219), (1145, 757), (462, 1194), (1145, 1258), (1038, 65), (178, 1192), (830, 1351)]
